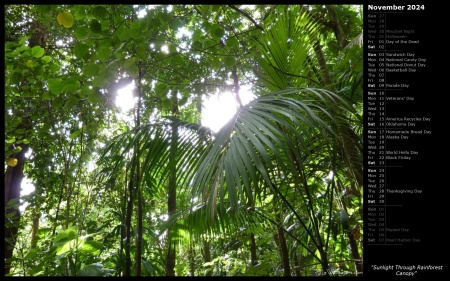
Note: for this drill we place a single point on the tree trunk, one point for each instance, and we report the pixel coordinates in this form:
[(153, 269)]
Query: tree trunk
[(172, 190), (207, 256), (123, 232), (280, 240), (34, 236), (139, 214), (13, 181), (128, 222), (284, 252), (336, 25), (191, 260), (354, 250), (254, 258), (206, 250), (297, 265)]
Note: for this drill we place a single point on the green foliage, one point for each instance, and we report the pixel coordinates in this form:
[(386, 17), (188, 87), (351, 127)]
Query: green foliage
[(262, 173)]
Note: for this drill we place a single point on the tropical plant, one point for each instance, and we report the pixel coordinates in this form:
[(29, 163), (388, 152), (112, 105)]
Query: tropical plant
[(276, 191)]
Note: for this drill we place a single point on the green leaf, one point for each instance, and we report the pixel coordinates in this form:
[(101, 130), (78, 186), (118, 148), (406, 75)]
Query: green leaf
[(136, 30), (54, 67), (95, 26), (72, 231), (66, 247), (16, 77), (12, 214), (130, 66), (215, 63), (197, 35), (30, 64), (91, 70), (258, 270), (94, 269), (81, 32), (75, 134), (65, 19), (104, 53), (55, 86), (39, 267), (38, 71), (80, 50), (229, 61), (43, 8), (60, 236), (23, 40), (141, 51), (100, 12), (92, 246), (73, 99), (19, 131), (13, 203), (99, 80), (160, 87), (37, 51), (71, 87), (172, 48), (32, 254), (46, 59), (233, 41), (136, 34), (197, 45), (124, 34), (94, 97), (47, 96), (217, 30), (209, 43), (167, 104)]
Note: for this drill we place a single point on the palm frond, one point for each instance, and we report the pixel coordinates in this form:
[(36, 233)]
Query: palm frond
[(265, 131), (284, 47)]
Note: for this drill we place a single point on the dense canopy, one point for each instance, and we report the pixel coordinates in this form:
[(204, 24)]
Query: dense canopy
[(148, 190)]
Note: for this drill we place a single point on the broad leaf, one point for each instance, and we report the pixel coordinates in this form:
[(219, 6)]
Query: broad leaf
[(65, 19)]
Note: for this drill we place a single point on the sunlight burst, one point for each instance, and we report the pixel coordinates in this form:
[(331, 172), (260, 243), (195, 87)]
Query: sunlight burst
[(125, 99), (220, 108)]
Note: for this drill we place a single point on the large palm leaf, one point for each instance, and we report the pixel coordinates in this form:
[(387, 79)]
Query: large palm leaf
[(285, 46)]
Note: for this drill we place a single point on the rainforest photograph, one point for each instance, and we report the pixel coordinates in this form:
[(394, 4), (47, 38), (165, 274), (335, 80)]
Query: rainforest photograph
[(183, 140)]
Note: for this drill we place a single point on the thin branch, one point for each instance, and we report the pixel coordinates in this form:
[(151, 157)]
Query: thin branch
[(245, 14)]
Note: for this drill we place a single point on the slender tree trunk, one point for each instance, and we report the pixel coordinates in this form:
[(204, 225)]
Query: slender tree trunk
[(336, 25), (206, 246), (172, 190), (191, 260), (254, 257), (139, 230), (297, 265), (207, 256), (35, 228), (355, 253), (280, 240), (123, 232), (284, 252), (128, 221), (326, 77), (353, 235)]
